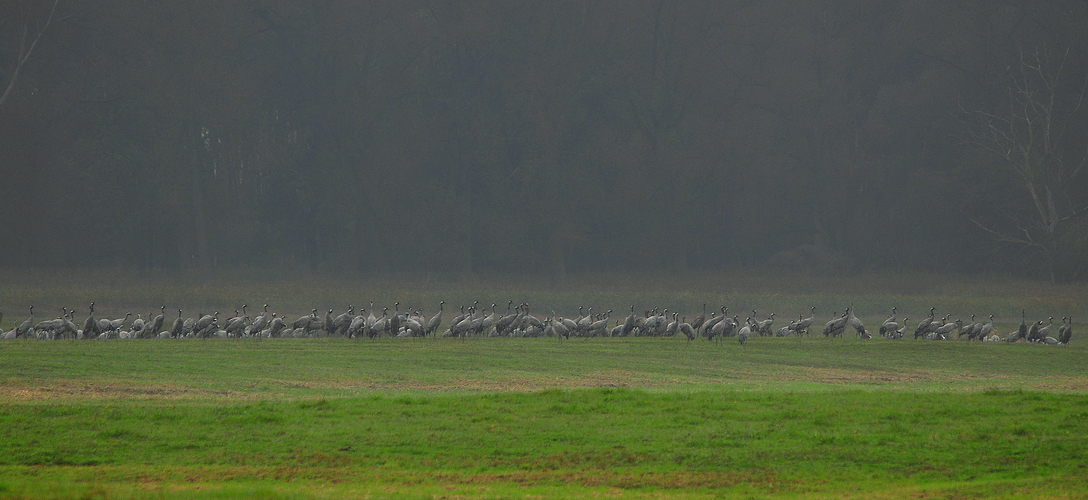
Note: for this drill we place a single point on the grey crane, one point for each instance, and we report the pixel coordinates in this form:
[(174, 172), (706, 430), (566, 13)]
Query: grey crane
[(835, 327), (23, 328), (598, 328), (729, 326), (105, 324), (889, 325), (569, 324), (327, 325), (48, 329), (706, 330), (562, 331), (207, 325), (946, 329), (137, 329), (745, 331), (1033, 331), (379, 326), (237, 324), (584, 321), (341, 323), (673, 326), (436, 320), (88, 323), (1065, 333), (892, 318), (1023, 330), (695, 323), (802, 325), (414, 328), (986, 329), (629, 322), (179, 324), (118, 323), (718, 328), (923, 326), (509, 323), (856, 323), (461, 317), (239, 317), (276, 326), (370, 319), (356, 327), (490, 320), (156, 323), (189, 324), (1015, 335), (474, 323), (764, 327), (687, 329), (532, 320), (502, 325), (935, 325), (69, 326), (890, 329), (1042, 333), (304, 322), (902, 330), (258, 324), (970, 329)]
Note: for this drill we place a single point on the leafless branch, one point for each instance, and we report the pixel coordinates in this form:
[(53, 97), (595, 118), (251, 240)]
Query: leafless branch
[(24, 55)]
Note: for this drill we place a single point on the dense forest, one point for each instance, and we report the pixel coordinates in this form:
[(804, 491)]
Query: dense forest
[(546, 137)]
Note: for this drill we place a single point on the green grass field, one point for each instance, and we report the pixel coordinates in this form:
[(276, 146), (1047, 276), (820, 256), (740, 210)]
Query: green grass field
[(538, 418)]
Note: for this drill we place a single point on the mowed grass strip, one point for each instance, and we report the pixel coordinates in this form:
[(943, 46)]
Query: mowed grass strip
[(610, 438), (250, 368)]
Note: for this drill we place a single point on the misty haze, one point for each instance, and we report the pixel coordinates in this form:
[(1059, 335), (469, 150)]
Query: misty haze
[(550, 138)]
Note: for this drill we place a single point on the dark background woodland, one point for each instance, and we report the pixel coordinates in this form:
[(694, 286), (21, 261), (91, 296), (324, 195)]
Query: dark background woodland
[(545, 137)]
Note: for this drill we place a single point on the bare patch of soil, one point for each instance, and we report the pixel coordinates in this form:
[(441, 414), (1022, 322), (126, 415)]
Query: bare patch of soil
[(71, 389), (515, 383)]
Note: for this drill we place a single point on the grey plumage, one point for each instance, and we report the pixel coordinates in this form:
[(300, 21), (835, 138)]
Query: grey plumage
[(835, 327), (436, 320), (24, 327), (923, 326), (1065, 333)]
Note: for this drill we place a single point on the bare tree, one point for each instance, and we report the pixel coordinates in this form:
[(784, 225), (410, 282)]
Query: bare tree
[(1033, 132), (27, 42)]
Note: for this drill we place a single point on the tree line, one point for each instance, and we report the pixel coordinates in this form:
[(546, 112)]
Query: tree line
[(545, 137)]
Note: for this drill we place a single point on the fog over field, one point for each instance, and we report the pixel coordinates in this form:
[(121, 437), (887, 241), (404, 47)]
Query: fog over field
[(452, 140)]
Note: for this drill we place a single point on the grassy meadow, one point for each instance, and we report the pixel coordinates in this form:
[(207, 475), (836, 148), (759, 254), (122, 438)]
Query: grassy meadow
[(540, 418)]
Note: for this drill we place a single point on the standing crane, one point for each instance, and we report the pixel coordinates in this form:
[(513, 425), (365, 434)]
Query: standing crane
[(856, 323), (923, 326), (802, 325), (341, 323), (745, 331), (764, 327), (1065, 333), (23, 328), (835, 327)]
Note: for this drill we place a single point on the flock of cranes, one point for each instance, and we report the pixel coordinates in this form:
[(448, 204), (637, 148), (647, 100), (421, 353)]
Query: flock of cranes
[(517, 321)]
